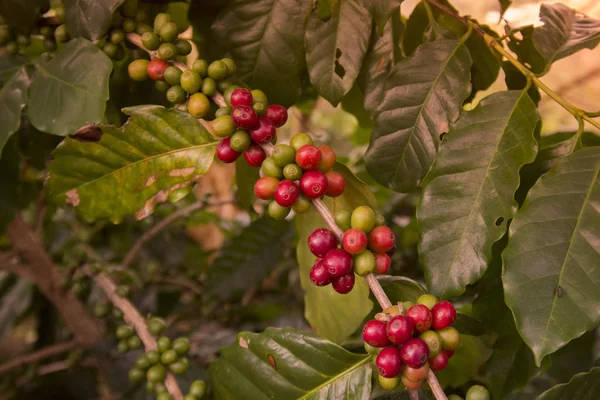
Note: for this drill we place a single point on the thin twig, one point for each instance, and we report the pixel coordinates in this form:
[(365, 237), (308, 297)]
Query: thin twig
[(414, 395), (179, 282), (39, 355)]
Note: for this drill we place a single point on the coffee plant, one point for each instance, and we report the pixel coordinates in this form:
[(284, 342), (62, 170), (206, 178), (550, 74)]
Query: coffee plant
[(457, 256)]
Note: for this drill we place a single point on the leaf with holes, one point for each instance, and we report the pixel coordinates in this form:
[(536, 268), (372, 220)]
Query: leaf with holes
[(467, 196), (335, 49), (422, 97), (265, 38), (289, 364), (13, 98), (109, 172), (551, 282), (584, 386), (89, 19), (70, 90), (249, 257)]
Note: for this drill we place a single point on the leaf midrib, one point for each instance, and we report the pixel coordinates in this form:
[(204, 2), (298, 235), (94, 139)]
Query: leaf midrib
[(336, 377)]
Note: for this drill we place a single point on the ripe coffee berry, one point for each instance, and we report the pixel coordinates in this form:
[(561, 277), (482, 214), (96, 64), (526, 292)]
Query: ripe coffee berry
[(338, 262), (420, 316), (388, 362), (336, 184), (264, 188), (444, 315), (156, 69), (286, 193), (416, 374), (276, 114), (241, 96), (244, 117), (414, 353), (225, 152), (382, 263), (344, 283), (354, 241), (313, 184), (319, 275), (308, 157), (321, 241), (439, 362), (254, 155), (263, 132), (381, 239), (399, 329), (327, 158), (374, 333)]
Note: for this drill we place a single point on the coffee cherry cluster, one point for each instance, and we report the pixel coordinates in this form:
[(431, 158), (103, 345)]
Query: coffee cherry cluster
[(15, 42), (409, 344)]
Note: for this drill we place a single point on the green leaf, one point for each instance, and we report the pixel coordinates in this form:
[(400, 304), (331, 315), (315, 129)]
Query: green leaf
[(472, 353), (70, 90), (248, 258), (334, 316), (89, 19), (289, 364), (565, 31), (245, 177), (10, 65), (584, 386), (422, 97), (399, 288), (382, 11), (133, 168), (468, 196), (551, 282), (15, 299), (21, 14), (335, 49), (13, 98), (265, 38)]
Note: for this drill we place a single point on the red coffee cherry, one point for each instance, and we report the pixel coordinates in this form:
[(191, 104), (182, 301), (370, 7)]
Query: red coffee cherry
[(286, 193), (444, 315), (225, 153), (319, 275), (244, 117), (308, 157), (313, 184), (414, 353), (241, 96), (263, 132), (338, 262), (254, 155), (321, 241), (336, 184), (439, 362), (381, 239), (388, 362), (416, 374), (400, 329), (344, 283), (277, 114), (420, 316), (382, 263), (264, 188), (156, 69), (408, 384), (374, 333), (354, 241), (327, 158)]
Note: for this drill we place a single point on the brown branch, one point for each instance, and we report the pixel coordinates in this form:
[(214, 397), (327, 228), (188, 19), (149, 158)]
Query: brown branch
[(414, 395), (39, 355), (179, 282)]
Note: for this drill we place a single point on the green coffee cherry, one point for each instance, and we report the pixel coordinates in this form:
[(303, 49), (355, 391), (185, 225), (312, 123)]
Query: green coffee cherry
[(209, 86), (217, 70), (117, 313), (231, 67), (156, 373), (176, 94), (198, 105), (142, 16), (201, 67), (379, 220), (226, 86), (240, 141), (167, 51), (372, 350), (141, 362), (129, 25), (136, 375), (454, 397), (101, 310), (162, 86), (129, 8), (122, 291), (198, 389), (223, 126), (153, 357), (284, 155), (269, 168), (61, 34), (292, 172), (163, 344), (278, 212), (181, 345), (223, 111), (124, 331), (363, 218), (342, 219), (302, 204), (164, 396), (258, 96), (189, 397), (172, 75), (259, 108), (364, 263), (156, 325), (477, 392), (138, 70), (122, 346), (433, 342), (183, 47), (141, 28), (159, 387), (117, 36), (179, 366), (160, 20), (113, 51), (407, 304), (428, 300), (134, 343), (389, 383), (168, 357), (168, 32), (151, 41), (191, 81), (299, 140)]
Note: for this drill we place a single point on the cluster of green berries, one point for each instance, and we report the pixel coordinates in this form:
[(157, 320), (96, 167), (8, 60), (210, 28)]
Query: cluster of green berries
[(79, 283), (15, 42), (475, 392), (104, 310), (411, 341), (365, 248)]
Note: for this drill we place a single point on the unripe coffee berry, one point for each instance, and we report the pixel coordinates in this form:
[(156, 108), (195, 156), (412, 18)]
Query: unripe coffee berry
[(264, 188), (381, 239), (156, 373), (363, 217), (168, 32), (414, 353), (477, 392), (344, 283), (241, 96), (176, 94), (138, 70), (168, 357), (198, 389), (269, 168), (231, 66), (319, 275), (450, 338), (217, 70), (433, 342), (444, 315), (399, 329), (338, 262), (292, 172), (354, 241), (240, 140), (225, 153), (150, 41), (264, 131), (382, 263), (167, 51), (223, 126), (342, 219), (420, 316), (209, 87), (302, 204), (156, 325), (327, 158), (191, 81), (136, 375), (160, 20), (428, 300), (223, 111), (156, 69), (200, 66), (181, 346), (286, 193), (313, 184), (254, 155), (388, 362), (439, 361), (277, 114), (388, 383), (278, 212), (198, 105), (308, 157), (244, 117), (374, 333), (321, 241), (283, 155), (299, 140), (183, 47), (173, 75), (336, 184)]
